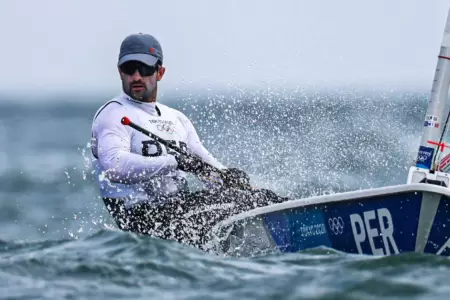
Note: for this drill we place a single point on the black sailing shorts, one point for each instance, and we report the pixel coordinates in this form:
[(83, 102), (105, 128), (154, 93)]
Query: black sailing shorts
[(188, 217)]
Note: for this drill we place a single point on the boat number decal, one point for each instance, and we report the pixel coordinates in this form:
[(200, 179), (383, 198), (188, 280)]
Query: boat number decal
[(374, 224)]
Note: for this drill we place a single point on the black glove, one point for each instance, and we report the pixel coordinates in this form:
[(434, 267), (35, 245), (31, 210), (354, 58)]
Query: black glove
[(189, 164), (233, 177)]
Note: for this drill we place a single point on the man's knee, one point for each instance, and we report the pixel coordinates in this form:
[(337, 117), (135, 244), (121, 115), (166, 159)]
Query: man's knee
[(118, 212)]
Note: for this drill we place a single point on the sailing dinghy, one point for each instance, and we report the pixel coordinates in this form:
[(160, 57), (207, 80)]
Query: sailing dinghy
[(411, 217)]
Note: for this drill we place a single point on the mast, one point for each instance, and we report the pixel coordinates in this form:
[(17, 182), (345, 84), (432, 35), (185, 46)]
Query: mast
[(435, 116)]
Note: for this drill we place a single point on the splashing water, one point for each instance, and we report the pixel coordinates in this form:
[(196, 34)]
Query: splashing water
[(55, 228)]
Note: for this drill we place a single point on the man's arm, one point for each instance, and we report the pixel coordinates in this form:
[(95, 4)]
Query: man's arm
[(112, 146), (229, 176), (196, 147)]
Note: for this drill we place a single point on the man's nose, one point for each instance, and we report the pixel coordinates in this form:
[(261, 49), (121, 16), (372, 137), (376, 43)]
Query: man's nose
[(136, 75)]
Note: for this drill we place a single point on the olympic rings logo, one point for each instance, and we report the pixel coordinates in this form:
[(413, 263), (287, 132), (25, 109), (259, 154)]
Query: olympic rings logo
[(336, 225), (422, 158), (165, 128)]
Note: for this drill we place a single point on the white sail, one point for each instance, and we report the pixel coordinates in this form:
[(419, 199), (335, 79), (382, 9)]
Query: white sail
[(436, 113)]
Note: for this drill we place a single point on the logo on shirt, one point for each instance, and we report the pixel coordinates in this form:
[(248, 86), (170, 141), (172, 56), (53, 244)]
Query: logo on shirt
[(164, 126)]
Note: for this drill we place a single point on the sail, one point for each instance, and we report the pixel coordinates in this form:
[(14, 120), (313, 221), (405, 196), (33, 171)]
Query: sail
[(432, 143)]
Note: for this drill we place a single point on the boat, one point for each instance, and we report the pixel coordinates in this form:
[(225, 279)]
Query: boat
[(410, 217)]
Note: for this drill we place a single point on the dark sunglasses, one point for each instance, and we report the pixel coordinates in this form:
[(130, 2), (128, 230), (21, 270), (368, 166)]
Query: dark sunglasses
[(130, 67)]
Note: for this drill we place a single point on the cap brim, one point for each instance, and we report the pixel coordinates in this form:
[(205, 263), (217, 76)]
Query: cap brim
[(147, 59)]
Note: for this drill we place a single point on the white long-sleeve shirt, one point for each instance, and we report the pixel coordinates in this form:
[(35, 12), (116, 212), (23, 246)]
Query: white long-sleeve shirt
[(128, 163)]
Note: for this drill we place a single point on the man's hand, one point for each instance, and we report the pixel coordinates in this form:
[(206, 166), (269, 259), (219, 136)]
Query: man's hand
[(188, 164), (234, 177), (231, 177)]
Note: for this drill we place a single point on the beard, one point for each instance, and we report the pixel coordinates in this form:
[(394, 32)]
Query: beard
[(144, 94)]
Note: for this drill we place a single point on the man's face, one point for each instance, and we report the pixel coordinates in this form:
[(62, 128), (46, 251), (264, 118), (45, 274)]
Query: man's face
[(139, 80)]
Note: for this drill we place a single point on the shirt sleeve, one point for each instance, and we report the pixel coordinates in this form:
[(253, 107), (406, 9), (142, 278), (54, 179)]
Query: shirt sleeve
[(112, 142), (196, 147)]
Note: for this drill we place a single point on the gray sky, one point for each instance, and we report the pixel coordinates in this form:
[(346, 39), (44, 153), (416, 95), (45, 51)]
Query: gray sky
[(52, 45)]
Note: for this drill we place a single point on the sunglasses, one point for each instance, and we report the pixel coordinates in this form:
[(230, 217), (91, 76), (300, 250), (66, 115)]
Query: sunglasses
[(130, 67)]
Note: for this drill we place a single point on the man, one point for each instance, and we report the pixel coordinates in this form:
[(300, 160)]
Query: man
[(143, 181)]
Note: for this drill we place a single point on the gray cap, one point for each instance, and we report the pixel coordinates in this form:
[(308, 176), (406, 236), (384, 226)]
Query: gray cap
[(141, 47)]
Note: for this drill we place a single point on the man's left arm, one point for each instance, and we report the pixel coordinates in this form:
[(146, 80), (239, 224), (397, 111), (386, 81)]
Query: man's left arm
[(196, 147)]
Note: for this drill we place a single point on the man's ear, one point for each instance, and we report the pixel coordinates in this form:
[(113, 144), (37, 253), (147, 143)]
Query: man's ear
[(161, 72)]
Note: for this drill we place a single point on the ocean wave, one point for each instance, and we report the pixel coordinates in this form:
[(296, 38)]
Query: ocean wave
[(118, 264)]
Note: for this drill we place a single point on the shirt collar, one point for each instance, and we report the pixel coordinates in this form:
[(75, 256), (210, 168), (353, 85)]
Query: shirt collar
[(149, 107)]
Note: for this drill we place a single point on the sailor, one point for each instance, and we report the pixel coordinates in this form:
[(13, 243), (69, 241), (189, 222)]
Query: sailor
[(143, 182)]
